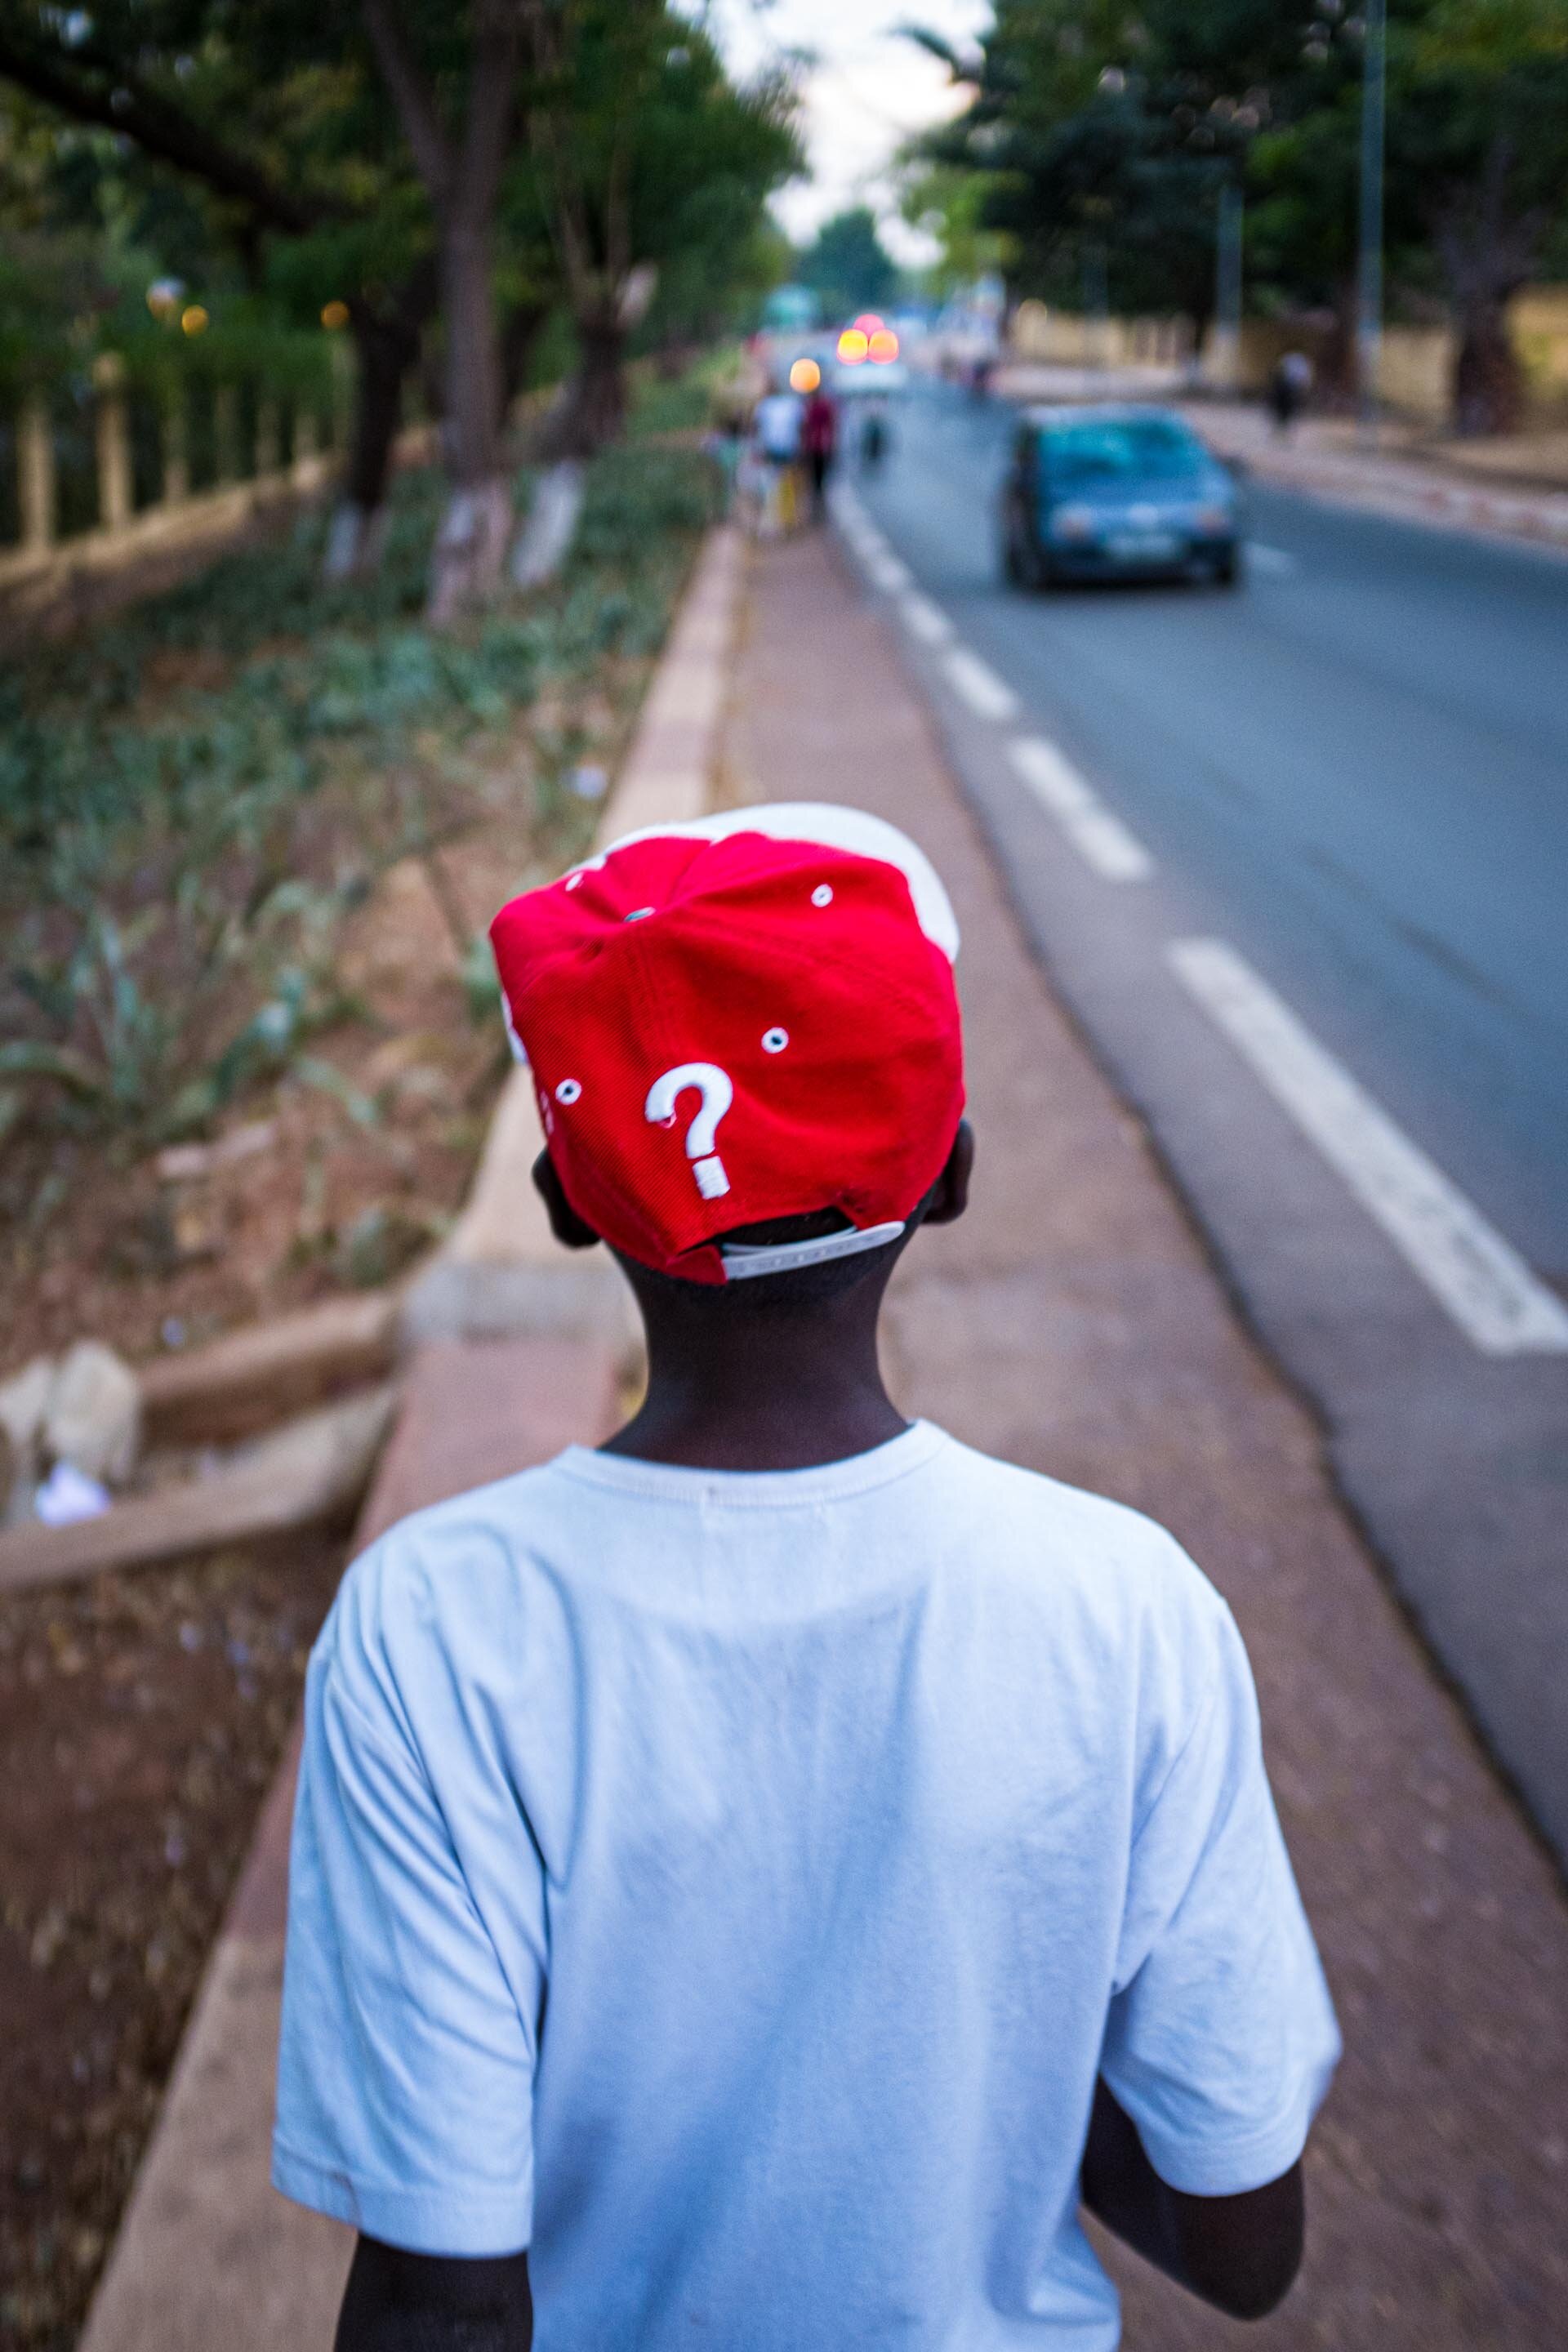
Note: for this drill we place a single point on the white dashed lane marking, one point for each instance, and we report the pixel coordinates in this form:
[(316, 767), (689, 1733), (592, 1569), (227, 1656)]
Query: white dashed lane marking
[(887, 573), (988, 696), (923, 619), (1478, 1276), (1101, 840)]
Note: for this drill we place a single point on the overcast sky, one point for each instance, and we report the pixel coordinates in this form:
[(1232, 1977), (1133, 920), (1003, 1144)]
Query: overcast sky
[(867, 91)]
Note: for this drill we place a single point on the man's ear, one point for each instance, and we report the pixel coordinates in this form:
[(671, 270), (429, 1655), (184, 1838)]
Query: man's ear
[(950, 1197), (570, 1230)]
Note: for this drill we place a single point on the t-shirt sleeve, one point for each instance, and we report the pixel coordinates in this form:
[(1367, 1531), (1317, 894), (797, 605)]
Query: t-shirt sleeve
[(406, 2064), (1221, 2038)]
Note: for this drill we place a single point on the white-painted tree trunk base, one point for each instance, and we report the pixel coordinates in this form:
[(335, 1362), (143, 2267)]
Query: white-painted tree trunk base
[(470, 554), (355, 538), (545, 540)]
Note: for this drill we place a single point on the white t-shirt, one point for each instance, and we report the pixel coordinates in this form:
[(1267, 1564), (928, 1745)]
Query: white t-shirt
[(778, 425), (728, 1885)]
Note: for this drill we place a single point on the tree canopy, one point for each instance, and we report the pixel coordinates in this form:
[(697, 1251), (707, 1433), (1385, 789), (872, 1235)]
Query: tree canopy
[(1104, 140), (848, 266)]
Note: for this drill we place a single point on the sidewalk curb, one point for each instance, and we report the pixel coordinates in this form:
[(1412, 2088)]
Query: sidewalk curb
[(502, 1270), (207, 2254), (1542, 519)]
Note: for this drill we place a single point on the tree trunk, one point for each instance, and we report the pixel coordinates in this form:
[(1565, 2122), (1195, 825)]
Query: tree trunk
[(596, 404), (1489, 380), (470, 548), (385, 350)]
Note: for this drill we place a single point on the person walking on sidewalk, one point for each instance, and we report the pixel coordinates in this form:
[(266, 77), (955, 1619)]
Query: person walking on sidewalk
[(760, 1881), (776, 428), (819, 439), (1289, 383)]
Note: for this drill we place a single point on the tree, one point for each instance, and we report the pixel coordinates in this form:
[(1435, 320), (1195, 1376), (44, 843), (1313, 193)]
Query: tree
[(260, 109), (459, 152), (1098, 131), (847, 265), (648, 165), (949, 201), (1481, 119)]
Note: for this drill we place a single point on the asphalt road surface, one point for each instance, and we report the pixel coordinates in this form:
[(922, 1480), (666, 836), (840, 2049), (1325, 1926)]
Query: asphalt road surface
[(1297, 854)]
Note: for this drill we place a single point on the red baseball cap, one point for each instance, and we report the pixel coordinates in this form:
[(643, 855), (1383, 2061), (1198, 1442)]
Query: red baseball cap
[(748, 1017)]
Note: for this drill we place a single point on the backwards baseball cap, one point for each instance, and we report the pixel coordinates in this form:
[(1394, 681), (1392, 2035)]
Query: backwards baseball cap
[(746, 1018)]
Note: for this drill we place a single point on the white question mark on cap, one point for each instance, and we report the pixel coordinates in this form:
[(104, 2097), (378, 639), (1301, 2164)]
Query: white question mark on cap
[(714, 1085)]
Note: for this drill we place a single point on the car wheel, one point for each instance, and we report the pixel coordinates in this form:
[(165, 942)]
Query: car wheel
[(1228, 569)]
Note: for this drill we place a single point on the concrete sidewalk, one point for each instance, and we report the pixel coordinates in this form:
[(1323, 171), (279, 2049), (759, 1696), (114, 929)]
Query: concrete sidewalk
[(1073, 1322)]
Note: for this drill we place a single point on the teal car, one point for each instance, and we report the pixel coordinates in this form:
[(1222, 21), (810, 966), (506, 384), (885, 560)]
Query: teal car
[(1104, 493)]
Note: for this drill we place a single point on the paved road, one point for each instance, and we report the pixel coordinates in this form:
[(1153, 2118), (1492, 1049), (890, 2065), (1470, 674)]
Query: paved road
[(1352, 774)]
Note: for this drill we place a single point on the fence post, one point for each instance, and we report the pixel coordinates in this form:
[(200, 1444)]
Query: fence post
[(226, 433), (306, 434), (114, 497), (35, 474), (176, 452)]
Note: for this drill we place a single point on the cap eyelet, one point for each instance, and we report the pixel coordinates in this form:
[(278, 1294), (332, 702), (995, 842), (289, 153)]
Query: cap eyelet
[(569, 1090), (572, 881), (774, 1040), (823, 894)]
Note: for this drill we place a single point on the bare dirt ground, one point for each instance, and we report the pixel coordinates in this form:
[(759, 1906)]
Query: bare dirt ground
[(141, 1721)]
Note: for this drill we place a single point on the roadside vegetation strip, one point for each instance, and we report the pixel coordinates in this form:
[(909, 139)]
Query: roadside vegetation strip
[(192, 803), (249, 838), (1476, 1276), (1101, 840)]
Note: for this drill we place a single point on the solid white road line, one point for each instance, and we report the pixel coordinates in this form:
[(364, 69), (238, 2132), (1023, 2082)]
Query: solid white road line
[(1481, 1280), (1270, 562), (923, 619), (1101, 840), (988, 696)]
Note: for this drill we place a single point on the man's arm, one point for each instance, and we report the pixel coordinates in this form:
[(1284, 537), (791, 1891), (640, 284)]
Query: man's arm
[(396, 2302), (1240, 2253)]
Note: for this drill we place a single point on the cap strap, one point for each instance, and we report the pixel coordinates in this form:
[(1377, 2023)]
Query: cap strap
[(743, 1260)]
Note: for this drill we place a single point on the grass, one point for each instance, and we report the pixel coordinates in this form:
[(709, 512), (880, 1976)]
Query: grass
[(194, 798)]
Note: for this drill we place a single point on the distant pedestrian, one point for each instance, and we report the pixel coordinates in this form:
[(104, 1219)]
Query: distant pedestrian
[(818, 440), (873, 433), (756, 1883), (724, 444), (777, 432), (1288, 386)]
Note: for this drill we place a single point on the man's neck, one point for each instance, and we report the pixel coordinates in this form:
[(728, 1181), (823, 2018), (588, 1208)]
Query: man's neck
[(779, 1393)]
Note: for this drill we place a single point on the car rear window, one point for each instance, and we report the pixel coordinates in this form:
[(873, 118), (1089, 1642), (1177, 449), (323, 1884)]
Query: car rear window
[(1143, 449)]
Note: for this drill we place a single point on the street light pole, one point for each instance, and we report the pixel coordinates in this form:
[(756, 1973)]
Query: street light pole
[(1227, 285), (1368, 314)]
